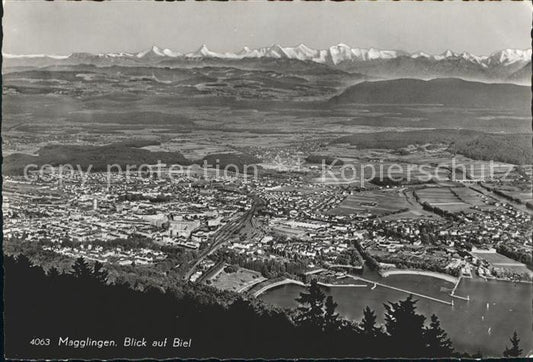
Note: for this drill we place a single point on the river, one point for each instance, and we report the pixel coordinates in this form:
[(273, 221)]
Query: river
[(484, 323)]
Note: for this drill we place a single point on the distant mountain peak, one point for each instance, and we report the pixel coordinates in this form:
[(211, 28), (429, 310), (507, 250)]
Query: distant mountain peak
[(508, 56), (342, 45), (154, 52), (449, 53), (374, 62), (203, 51)]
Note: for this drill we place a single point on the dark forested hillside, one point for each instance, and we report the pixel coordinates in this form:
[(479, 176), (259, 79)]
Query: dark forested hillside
[(511, 148), (42, 308), (92, 158), (448, 92)]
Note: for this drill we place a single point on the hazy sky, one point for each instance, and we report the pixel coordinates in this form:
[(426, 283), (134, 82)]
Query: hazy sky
[(32, 27)]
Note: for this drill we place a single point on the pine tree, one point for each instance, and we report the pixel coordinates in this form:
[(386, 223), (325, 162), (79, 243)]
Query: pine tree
[(53, 273), (311, 309), (515, 350), (99, 274), (368, 325), (331, 319), (437, 341), (24, 261), (405, 328), (81, 269)]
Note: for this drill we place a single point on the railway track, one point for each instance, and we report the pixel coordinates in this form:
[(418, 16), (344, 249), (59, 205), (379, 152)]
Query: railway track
[(223, 235)]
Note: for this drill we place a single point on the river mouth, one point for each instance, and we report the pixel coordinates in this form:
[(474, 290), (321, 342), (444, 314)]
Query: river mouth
[(484, 323)]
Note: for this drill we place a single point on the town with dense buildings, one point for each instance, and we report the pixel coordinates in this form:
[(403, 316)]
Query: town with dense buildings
[(238, 232), (267, 183)]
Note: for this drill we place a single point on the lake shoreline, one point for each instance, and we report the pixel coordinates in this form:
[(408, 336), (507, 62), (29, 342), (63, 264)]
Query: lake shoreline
[(492, 304)]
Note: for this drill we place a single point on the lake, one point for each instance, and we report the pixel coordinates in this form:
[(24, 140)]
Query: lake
[(484, 323)]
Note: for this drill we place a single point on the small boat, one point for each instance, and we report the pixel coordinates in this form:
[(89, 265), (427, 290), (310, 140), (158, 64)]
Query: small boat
[(488, 305), (482, 317), (489, 331)]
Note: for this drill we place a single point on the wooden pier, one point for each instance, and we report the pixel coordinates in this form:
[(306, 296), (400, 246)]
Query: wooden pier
[(403, 290), (453, 295)]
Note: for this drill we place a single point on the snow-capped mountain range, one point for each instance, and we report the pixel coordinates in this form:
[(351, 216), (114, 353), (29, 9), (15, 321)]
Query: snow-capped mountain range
[(333, 55), (374, 62)]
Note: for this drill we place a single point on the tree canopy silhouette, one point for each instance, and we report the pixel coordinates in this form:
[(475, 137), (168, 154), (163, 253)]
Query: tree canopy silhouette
[(368, 326), (438, 343), (84, 303), (311, 309), (405, 328), (515, 350)]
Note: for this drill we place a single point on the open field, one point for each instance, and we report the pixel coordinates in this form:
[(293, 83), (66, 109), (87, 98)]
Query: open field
[(441, 198), (469, 196), (368, 203), (214, 109), (382, 173), (484, 170), (501, 261), (515, 193), (237, 280), (411, 214), (410, 172)]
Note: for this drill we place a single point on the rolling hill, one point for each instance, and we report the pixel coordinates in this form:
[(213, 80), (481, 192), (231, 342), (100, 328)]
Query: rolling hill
[(448, 92)]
